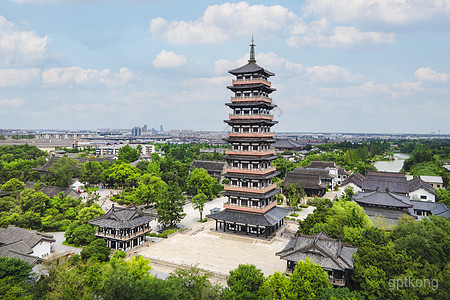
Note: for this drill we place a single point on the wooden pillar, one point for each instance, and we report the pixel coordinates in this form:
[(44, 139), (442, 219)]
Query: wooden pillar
[(257, 230), (224, 226), (267, 229), (234, 227), (246, 229), (216, 225)]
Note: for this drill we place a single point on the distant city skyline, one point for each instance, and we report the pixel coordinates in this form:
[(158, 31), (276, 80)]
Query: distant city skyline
[(340, 66)]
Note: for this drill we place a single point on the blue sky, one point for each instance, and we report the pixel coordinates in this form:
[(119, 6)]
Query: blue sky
[(341, 66)]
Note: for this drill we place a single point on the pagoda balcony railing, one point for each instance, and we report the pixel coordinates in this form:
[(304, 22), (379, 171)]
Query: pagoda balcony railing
[(251, 98), (121, 236), (259, 190), (251, 80), (252, 134), (251, 116), (249, 207), (250, 152), (251, 171)]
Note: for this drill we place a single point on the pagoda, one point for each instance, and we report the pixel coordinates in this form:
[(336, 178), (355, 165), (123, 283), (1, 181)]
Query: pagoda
[(251, 207)]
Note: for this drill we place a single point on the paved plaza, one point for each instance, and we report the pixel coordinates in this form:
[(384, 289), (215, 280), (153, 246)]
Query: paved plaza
[(215, 251)]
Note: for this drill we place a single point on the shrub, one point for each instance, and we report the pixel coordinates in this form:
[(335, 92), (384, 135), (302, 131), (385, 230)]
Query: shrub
[(304, 205), (294, 215)]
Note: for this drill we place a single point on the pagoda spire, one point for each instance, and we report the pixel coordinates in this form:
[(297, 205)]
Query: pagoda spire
[(252, 52)]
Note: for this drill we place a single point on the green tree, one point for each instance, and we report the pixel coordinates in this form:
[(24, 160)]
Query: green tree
[(277, 287), (199, 181), (90, 212), (149, 189), (80, 234), (307, 279), (198, 202), (91, 172), (170, 206), (128, 154), (244, 283), (13, 185), (62, 171), (97, 249), (120, 175), (14, 268), (295, 194)]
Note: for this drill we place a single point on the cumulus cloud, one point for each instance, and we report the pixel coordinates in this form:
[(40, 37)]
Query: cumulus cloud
[(331, 73), (321, 33), (168, 59), (371, 88), (220, 23), (11, 103), (275, 63), (122, 78), (76, 75), (18, 77), (21, 47), (427, 74), (392, 12)]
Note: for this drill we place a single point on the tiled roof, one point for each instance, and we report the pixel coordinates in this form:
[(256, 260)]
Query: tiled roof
[(388, 181), (436, 208), (269, 218), (356, 179), (286, 144), (122, 217), (251, 195), (321, 165), (18, 243), (29, 237), (382, 198), (307, 178), (325, 251), (208, 165), (249, 68), (46, 166), (417, 183)]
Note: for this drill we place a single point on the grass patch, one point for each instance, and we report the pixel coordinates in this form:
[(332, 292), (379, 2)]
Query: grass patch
[(304, 205), (294, 215), (92, 189), (203, 221), (65, 243)]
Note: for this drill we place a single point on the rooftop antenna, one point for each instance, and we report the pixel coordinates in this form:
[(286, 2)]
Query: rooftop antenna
[(252, 52)]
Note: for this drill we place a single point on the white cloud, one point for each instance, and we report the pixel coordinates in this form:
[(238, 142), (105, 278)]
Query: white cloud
[(331, 73), (220, 23), (321, 33), (21, 47), (122, 78), (370, 88), (76, 75), (168, 59), (12, 103), (275, 63), (18, 77), (392, 12), (427, 74)]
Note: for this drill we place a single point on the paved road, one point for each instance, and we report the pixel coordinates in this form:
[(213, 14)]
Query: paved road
[(59, 247)]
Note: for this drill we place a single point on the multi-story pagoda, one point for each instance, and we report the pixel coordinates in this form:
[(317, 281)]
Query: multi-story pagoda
[(251, 207)]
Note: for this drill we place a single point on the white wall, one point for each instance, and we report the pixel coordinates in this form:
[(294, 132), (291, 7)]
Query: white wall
[(356, 189), (416, 195), (42, 249)]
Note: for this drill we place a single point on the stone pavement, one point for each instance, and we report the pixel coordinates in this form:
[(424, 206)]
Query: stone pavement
[(216, 252)]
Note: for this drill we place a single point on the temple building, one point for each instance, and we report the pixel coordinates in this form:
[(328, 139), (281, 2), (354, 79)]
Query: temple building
[(251, 207), (123, 227), (335, 257)]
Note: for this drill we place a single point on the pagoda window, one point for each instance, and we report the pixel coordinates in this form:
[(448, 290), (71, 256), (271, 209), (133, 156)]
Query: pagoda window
[(245, 148), (245, 166)]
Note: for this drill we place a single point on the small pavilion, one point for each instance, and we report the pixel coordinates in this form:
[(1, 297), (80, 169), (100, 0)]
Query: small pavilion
[(123, 227)]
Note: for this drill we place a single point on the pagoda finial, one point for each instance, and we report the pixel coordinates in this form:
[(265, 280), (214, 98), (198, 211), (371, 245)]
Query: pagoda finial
[(252, 52)]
